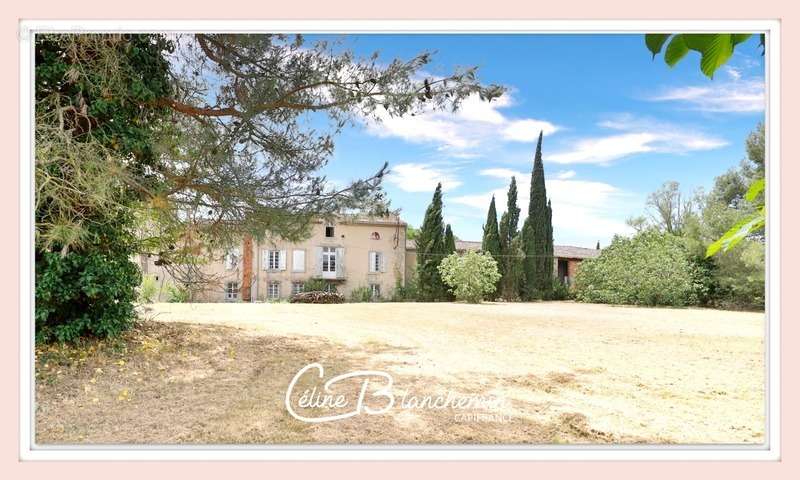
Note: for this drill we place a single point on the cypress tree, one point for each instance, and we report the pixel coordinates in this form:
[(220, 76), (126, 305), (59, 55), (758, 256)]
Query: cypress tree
[(491, 239), (509, 280), (449, 247), (431, 251), (537, 235), (598, 245), (491, 234), (449, 240)]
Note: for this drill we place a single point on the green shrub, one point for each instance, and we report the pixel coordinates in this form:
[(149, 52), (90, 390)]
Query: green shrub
[(740, 277), (148, 290), (177, 294), (90, 291), (319, 285), (652, 268), (470, 276), (405, 293), (560, 290), (361, 294)]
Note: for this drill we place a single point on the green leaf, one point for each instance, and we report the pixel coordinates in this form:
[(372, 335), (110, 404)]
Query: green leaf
[(715, 49), (676, 50), (655, 41), (737, 233), (737, 38), (755, 188)]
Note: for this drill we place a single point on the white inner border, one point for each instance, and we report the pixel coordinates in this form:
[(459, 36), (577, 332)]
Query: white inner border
[(769, 451)]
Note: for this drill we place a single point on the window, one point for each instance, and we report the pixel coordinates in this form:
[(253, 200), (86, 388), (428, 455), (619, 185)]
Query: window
[(328, 259), (274, 290), (375, 262), (298, 287), (375, 290), (232, 290), (330, 287), (273, 259), (298, 260), (375, 236), (329, 231)]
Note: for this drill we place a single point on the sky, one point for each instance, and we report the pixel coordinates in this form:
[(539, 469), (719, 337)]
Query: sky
[(617, 124)]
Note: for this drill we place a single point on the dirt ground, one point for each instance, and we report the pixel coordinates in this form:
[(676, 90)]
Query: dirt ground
[(566, 373)]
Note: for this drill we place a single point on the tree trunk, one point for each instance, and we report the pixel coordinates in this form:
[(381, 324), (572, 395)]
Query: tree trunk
[(247, 267)]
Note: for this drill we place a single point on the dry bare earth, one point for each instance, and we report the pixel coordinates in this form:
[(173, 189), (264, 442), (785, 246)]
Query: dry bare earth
[(570, 373)]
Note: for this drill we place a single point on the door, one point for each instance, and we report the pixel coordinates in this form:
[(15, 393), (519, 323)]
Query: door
[(563, 271), (329, 265)]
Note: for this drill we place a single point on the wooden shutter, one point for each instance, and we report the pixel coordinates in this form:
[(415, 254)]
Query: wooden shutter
[(339, 262), (298, 260), (318, 264), (282, 260), (383, 262)]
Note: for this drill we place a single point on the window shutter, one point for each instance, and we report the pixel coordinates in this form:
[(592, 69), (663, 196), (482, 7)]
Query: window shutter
[(298, 260), (265, 259), (383, 262), (318, 264), (282, 260), (372, 261), (339, 262)]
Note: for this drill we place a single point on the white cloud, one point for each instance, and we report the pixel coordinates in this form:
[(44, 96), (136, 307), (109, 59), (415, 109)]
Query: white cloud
[(462, 132), (565, 174), (733, 72), (527, 130), (584, 211), (416, 177), (605, 149), (733, 96), (637, 135)]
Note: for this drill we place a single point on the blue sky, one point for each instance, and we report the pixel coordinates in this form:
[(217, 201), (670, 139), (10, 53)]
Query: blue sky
[(617, 125)]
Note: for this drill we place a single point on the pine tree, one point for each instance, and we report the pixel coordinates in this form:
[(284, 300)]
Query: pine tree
[(598, 245), (537, 235), (449, 240), (431, 251), (508, 230)]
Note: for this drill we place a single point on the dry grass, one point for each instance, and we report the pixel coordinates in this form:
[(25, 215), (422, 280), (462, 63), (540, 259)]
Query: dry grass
[(570, 373)]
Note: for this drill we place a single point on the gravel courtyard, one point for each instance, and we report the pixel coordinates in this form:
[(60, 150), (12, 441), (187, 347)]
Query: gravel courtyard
[(567, 372)]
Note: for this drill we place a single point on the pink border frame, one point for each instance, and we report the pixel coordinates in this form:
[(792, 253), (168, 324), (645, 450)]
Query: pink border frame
[(709, 9)]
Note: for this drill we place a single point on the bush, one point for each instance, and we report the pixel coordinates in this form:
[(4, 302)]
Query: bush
[(740, 277), (652, 268), (177, 294), (148, 290), (361, 295), (470, 276), (560, 290), (90, 291), (319, 285), (406, 293)]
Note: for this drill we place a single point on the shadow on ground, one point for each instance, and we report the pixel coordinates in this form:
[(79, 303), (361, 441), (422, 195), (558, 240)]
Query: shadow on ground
[(179, 383)]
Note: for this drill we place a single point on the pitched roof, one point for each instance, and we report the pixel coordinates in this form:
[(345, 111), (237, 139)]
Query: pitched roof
[(568, 251), (561, 251)]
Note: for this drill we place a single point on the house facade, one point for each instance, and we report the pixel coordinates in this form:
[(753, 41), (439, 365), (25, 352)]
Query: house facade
[(350, 253)]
